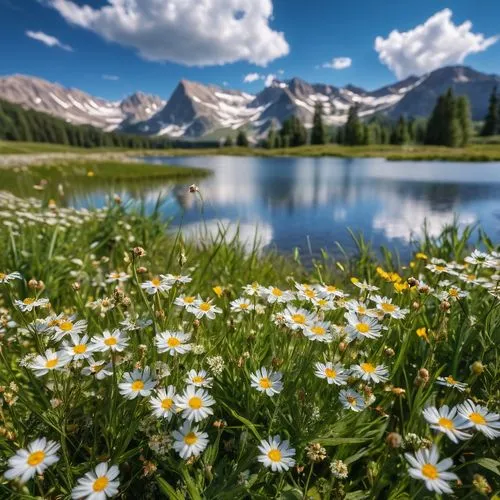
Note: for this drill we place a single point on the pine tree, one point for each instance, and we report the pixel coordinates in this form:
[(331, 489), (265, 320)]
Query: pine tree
[(451, 125), (353, 130), (435, 134), (229, 142), (242, 139), (492, 121), (464, 117), (271, 137), (318, 132)]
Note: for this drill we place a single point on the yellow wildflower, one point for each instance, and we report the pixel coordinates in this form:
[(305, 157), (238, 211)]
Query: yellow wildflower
[(422, 332), (218, 291)]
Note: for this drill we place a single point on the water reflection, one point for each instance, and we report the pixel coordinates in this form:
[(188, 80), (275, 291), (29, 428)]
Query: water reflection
[(310, 202)]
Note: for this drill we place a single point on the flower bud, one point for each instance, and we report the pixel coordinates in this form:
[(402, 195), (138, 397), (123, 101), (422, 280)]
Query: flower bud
[(75, 286), (139, 252), (394, 440), (142, 270), (477, 368)]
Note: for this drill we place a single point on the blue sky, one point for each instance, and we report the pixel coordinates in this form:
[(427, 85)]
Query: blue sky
[(113, 50)]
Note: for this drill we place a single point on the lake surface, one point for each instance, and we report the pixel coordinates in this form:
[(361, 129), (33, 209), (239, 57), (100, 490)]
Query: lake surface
[(310, 202)]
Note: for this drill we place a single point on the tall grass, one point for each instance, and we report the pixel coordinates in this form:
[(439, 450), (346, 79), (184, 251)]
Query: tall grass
[(69, 257)]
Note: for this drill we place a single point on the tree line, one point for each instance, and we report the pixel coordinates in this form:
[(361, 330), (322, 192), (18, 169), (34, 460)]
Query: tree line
[(19, 124), (449, 124)]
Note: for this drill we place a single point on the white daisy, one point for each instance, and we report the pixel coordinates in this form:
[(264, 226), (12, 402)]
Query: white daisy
[(186, 301), (307, 292), (7, 278), (352, 400), (39, 455), (480, 418), (110, 341), (360, 308), (199, 378), (318, 331), (296, 319), (447, 421), (173, 342), (363, 285), (362, 327), (252, 289), (68, 326), (330, 291), (385, 305), (275, 295), (276, 454), (156, 285), (449, 381), (176, 278), (51, 360), (99, 369), (206, 308), (79, 348), (163, 403), (267, 381), (424, 465), (334, 374), (188, 441), (324, 304), (137, 383), (195, 403), (370, 372), (28, 304), (116, 277), (97, 484), (477, 258), (241, 305)]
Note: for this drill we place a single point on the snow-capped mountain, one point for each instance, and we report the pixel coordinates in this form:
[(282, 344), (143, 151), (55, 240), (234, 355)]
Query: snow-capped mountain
[(75, 106), (196, 110)]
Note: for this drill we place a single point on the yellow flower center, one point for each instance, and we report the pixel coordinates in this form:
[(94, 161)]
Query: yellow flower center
[(28, 301), (440, 268), (331, 288), (363, 328), (361, 309), (277, 292), (450, 380), (66, 326), (2, 276), (330, 373), (167, 403), (36, 458), (477, 418), (173, 342), (388, 308), (137, 385), (51, 363), (205, 306), (100, 483), (352, 400), (471, 277), (368, 367), (188, 300), (322, 302), (110, 341), (79, 349), (309, 293), (318, 330), (274, 455), (299, 318), (156, 282), (446, 423), (195, 403), (430, 471), (197, 380), (243, 305), (265, 383), (190, 438)]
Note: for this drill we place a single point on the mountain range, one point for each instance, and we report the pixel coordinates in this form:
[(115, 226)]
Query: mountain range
[(195, 110)]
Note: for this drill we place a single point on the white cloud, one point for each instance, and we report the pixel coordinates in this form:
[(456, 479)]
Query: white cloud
[(252, 77), (339, 63), (269, 80), (190, 32), (50, 41), (436, 43), (113, 78)]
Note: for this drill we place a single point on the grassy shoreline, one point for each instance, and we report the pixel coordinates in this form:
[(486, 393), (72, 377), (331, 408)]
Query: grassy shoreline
[(472, 153)]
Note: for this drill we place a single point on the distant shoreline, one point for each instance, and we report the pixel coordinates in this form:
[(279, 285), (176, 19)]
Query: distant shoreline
[(25, 154)]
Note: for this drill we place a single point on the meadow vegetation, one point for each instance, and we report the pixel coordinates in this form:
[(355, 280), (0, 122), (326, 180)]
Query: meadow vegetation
[(137, 364)]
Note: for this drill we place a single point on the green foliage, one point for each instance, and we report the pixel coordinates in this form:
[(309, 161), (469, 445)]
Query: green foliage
[(450, 123), (18, 124), (353, 130), (492, 120), (242, 139), (293, 133), (229, 142), (318, 132)]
